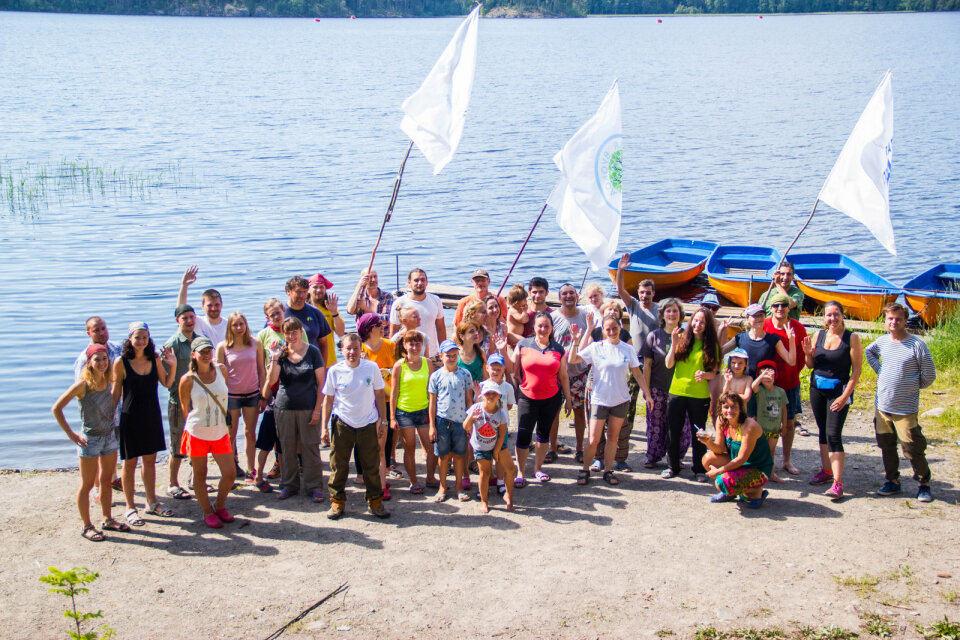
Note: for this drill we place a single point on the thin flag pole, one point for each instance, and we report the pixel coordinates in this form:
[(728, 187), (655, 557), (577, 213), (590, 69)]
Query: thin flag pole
[(783, 256), (524, 246), (583, 282), (393, 201)]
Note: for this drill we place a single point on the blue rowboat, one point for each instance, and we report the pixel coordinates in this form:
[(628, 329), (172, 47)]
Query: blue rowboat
[(669, 263), (834, 276), (741, 273), (934, 293)]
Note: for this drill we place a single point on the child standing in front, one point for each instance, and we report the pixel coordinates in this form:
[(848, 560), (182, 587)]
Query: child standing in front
[(486, 423), (735, 378), (497, 371), (771, 407), (451, 391)]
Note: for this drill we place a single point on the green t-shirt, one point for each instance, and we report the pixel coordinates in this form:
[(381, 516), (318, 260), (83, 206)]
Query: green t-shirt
[(794, 293), (770, 407), (180, 345), (684, 383)]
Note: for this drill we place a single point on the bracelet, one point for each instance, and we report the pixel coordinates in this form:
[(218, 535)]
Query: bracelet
[(335, 315)]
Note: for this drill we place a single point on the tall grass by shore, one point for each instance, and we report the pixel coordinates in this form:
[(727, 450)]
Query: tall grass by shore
[(28, 189)]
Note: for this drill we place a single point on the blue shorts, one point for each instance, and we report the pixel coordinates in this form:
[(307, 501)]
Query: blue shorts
[(99, 446), (451, 438), (488, 455), (793, 402), (409, 419)]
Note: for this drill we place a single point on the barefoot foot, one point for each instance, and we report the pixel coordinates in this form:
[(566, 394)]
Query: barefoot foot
[(775, 478), (789, 468)]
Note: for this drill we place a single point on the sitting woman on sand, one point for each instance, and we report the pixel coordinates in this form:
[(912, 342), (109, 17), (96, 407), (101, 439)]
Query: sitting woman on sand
[(203, 398), (244, 360), (739, 460), (409, 405), (97, 441), (380, 351), (136, 374)]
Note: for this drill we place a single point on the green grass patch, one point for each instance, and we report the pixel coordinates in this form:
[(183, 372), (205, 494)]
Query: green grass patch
[(825, 633), (941, 630), (865, 585), (876, 625)]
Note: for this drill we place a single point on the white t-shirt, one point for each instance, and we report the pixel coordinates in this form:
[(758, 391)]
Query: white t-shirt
[(354, 391), (486, 428), (507, 396), (430, 308), (611, 365), (216, 332)]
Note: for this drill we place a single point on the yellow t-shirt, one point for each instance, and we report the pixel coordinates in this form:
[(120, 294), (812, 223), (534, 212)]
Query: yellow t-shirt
[(331, 337)]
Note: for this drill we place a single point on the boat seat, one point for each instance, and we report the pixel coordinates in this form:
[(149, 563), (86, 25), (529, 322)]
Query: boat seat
[(949, 275), (681, 265), (735, 271), (819, 280)]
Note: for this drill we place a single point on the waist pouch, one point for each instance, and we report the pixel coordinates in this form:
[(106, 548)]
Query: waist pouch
[(826, 384)]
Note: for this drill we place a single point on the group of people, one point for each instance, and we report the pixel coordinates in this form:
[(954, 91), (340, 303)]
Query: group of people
[(399, 381)]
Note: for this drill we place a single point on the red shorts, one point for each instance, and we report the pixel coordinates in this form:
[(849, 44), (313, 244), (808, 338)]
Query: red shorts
[(193, 447)]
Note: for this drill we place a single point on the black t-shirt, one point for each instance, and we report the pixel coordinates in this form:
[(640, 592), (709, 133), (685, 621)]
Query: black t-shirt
[(758, 350), (298, 382)]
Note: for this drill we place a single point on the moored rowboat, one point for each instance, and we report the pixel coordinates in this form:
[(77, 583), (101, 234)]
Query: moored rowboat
[(834, 276), (669, 263), (934, 293), (741, 273)]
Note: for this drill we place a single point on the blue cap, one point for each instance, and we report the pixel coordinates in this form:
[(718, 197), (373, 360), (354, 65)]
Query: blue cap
[(448, 345), (496, 358), (739, 353)]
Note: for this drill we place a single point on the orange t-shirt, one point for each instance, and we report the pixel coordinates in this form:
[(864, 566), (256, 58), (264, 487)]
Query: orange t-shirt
[(383, 358), (458, 316)]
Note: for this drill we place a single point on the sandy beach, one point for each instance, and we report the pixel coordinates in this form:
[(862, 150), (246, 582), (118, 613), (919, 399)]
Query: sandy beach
[(649, 558)]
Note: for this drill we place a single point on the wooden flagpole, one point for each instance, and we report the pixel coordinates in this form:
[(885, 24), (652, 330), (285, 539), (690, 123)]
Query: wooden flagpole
[(783, 256), (524, 246), (393, 201)]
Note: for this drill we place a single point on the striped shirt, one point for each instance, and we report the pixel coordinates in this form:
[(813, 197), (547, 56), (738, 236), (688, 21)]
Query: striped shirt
[(903, 368)]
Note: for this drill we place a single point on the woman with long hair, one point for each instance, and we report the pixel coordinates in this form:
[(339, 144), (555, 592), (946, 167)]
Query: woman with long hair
[(476, 312), (136, 374), (380, 351), (243, 359), (97, 441), (835, 357), (738, 459), (203, 398), (472, 355), (694, 356), (409, 407)]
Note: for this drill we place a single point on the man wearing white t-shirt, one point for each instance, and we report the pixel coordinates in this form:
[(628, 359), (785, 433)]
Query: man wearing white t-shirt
[(353, 394), (210, 324), (428, 305)]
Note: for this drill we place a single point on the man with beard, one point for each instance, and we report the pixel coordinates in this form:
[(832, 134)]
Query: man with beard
[(427, 305)]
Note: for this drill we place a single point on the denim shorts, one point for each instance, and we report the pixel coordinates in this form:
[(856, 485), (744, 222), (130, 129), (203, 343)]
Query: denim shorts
[(241, 400), (408, 419), (488, 455), (451, 438), (99, 446), (793, 402)]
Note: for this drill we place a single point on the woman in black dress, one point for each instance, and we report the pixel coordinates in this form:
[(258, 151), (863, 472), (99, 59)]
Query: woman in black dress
[(135, 376)]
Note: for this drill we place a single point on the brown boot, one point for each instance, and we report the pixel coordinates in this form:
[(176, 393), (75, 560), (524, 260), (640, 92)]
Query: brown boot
[(376, 508), (337, 509)]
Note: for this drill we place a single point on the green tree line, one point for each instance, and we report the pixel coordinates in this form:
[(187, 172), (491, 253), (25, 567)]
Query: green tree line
[(386, 8)]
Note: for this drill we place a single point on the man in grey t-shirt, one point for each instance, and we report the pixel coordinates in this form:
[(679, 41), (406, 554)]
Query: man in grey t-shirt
[(563, 318)]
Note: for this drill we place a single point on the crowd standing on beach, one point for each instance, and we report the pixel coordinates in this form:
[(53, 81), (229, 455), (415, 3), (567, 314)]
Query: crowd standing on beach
[(402, 382)]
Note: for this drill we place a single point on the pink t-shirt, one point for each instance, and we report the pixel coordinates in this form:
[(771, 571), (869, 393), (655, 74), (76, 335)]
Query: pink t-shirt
[(242, 369)]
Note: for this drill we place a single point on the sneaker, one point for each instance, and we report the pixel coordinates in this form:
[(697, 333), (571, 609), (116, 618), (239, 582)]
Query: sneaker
[(274, 472), (889, 488), (596, 465), (923, 494), (835, 492), (337, 509), (822, 477), (720, 496), (376, 508)]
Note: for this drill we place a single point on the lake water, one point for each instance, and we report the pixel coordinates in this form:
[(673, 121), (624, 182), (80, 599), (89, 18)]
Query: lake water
[(290, 128)]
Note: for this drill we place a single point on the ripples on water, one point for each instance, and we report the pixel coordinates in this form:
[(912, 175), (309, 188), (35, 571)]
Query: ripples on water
[(731, 125)]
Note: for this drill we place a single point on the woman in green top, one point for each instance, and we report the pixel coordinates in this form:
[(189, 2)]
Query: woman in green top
[(694, 356), (471, 355), (737, 464), (408, 406)]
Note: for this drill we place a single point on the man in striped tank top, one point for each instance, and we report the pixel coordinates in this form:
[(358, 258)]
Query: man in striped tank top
[(904, 366)]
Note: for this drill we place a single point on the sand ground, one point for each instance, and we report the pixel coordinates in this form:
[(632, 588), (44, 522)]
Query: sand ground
[(571, 562)]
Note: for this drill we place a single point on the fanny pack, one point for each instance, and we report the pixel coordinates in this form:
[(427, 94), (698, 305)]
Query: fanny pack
[(826, 384)]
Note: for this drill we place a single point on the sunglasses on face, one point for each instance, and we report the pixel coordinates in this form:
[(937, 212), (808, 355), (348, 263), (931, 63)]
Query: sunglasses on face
[(779, 305)]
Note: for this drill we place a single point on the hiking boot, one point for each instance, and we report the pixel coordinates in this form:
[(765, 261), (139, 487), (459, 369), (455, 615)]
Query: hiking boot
[(889, 488), (376, 508), (835, 492), (923, 494), (822, 477), (337, 509)]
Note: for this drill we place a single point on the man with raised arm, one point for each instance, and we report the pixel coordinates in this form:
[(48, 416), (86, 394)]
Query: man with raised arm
[(210, 324), (368, 297)]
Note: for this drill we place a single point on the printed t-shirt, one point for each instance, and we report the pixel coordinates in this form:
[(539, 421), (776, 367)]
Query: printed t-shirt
[(312, 320), (383, 358), (642, 322), (430, 309), (486, 428), (450, 388), (539, 368), (354, 391), (272, 339), (611, 366), (788, 377), (655, 347), (216, 332), (561, 333), (770, 407), (298, 381), (757, 350), (458, 315), (684, 383)]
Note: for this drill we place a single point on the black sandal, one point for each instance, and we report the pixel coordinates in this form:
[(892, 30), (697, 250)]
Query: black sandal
[(609, 478), (582, 476), (91, 533), (578, 457)]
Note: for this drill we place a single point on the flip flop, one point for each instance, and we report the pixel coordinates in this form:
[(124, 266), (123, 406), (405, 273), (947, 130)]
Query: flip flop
[(564, 449), (177, 493), (542, 477), (463, 497), (440, 497), (416, 489), (803, 431)]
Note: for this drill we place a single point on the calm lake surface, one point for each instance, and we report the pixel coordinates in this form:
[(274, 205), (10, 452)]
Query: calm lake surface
[(287, 131)]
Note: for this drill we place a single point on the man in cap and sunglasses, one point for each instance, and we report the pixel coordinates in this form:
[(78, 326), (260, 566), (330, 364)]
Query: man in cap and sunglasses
[(784, 285)]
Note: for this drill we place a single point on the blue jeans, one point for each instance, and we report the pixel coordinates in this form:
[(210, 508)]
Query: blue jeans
[(451, 438), (99, 446)]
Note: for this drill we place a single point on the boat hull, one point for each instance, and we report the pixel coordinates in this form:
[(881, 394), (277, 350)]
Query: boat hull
[(931, 308), (935, 293), (859, 305), (741, 274), (740, 293), (823, 277), (632, 279), (668, 263)]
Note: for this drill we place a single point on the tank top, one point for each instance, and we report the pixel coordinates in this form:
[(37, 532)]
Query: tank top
[(241, 364), (205, 420), (96, 412), (413, 387), (835, 363), (760, 457), (138, 389)]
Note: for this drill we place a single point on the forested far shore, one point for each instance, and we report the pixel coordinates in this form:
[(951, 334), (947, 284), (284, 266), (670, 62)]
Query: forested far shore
[(491, 8)]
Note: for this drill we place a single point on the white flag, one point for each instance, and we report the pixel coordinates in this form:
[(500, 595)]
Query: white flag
[(434, 114), (859, 183), (588, 196)]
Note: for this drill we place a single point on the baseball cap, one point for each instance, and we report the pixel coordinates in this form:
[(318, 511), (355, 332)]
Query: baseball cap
[(496, 358), (448, 345), (489, 386), (767, 363), (739, 353), (200, 343), (753, 310), (182, 309), (480, 273)]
